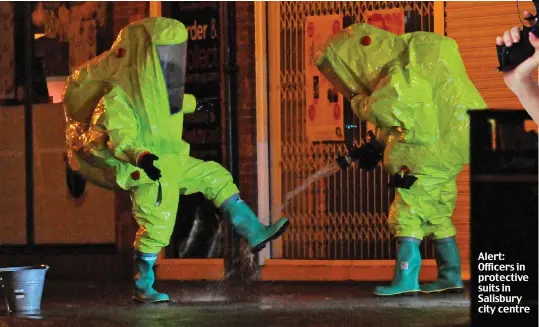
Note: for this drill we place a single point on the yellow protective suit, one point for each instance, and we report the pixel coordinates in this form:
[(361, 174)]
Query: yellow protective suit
[(117, 109), (415, 90)]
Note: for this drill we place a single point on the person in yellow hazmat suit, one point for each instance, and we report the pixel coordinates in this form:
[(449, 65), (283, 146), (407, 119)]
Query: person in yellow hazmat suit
[(415, 90), (124, 112)]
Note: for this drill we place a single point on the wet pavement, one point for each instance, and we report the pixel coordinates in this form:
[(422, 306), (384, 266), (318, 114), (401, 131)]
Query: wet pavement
[(107, 304)]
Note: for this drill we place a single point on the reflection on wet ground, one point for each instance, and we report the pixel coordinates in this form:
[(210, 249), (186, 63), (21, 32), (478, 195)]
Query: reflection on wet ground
[(224, 304)]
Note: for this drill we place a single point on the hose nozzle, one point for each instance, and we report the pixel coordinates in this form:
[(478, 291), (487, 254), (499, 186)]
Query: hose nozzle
[(344, 161)]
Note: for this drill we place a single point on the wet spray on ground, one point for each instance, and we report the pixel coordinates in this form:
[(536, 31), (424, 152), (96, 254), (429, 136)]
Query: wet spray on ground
[(248, 259)]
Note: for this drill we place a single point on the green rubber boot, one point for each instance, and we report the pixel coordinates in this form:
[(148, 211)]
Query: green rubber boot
[(247, 225), (448, 263), (407, 266), (144, 278)]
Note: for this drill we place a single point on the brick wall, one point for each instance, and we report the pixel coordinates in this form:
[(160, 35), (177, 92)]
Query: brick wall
[(126, 12), (245, 35)]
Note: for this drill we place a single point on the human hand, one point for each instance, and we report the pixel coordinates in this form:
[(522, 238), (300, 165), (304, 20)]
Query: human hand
[(522, 74), (146, 163)]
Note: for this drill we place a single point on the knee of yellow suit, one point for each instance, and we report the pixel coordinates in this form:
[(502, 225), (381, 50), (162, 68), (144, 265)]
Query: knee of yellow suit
[(445, 230), (218, 184), (403, 223), (406, 231), (151, 242)]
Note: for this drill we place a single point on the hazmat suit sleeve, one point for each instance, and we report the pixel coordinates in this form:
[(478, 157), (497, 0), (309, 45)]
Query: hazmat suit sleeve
[(401, 100), (114, 114), (189, 103)]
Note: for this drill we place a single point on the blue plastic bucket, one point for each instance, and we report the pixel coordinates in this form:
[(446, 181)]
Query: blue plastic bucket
[(22, 287)]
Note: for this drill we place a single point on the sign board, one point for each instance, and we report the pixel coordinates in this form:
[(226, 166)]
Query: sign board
[(197, 232), (82, 43), (324, 107), (203, 77)]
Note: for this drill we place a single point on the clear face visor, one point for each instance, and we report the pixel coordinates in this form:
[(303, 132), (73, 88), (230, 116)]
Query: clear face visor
[(173, 60)]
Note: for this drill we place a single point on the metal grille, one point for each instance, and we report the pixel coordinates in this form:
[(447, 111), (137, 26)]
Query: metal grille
[(343, 216)]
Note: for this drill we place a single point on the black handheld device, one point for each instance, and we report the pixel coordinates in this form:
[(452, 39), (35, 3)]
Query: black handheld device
[(367, 156), (510, 57)]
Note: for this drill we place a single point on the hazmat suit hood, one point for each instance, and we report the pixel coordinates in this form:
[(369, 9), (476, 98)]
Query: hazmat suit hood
[(129, 100), (356, 59), (132, 63)]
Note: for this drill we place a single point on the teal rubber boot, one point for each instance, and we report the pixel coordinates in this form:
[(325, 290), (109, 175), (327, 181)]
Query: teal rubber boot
[(247, 225), (449, 268), (143, 279), (407, 266)]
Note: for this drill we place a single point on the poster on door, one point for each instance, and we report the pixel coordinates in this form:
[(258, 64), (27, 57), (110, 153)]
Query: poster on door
[(391, 20), (324, 106), (82, 43)]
